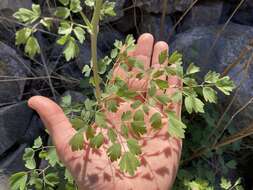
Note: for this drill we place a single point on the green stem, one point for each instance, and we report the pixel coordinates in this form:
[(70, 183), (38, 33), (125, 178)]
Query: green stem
[(94, 35)]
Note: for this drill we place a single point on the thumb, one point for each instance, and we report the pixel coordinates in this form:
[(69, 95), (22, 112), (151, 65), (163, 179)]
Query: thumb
[(58, 125)]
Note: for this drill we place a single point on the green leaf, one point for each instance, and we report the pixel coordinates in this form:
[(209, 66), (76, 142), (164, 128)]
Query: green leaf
[(37, 143), (62, 12), (65, 28), (129, 42), (129, 163), (231, 164), (52, 179), (190, 81), (226, 85), (176, 127), (108, 9), (124, 92), (114, 53), (114, 152), (43, 154), (112, 135), (90, 132), (158, 73), (175, 58), (80, 34), (100, 119), (126, 116), (210, 94), (77, 141), (162, 84), (212, 77), (64, 2), (23, 35), (139, 115), (156, 121), (28, 157), (75, 6), (66, 101), (174, 70), (32, 47), (37, 182), (192, 69), (103, 64), (46, 22), (225, 184), (36, 10), (145, 108), (71, 50), (28, 16), (112, 105), (97, 141), (133, 146), (194, 104), (63, 39), (152, 89), (86, 70), (90, 3), (78, 123), (136, 104), (18, 181), (163, 56), (52, 157), (176, 96), (68, 176), (135, 63), (139, 127), (124, 130), (163, 99)]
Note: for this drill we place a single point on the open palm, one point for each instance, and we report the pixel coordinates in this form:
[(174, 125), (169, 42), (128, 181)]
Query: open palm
[(91, 168)]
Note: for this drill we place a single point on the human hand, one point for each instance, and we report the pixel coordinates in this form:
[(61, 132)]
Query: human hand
[(91, 168)]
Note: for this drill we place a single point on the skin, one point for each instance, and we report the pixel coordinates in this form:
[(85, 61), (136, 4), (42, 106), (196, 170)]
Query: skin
[(92, 169)]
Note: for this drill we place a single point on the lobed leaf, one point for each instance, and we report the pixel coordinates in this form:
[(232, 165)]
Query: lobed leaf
[(114, 152), (97, 141), (129, 163), (77, 141), (133, 146), (18, 181)]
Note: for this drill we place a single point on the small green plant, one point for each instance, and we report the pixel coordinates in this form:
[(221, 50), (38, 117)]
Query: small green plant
[(90, 118)]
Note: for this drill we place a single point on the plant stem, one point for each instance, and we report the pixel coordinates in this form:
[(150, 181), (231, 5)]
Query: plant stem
[(94, 34)]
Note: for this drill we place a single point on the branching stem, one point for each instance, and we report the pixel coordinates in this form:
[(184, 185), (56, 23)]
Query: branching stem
[(94, 35)]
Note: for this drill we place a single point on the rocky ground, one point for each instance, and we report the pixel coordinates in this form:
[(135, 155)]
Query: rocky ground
[(214, 34)]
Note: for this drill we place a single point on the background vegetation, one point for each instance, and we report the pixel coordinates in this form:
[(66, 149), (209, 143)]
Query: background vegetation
[(218, 147)]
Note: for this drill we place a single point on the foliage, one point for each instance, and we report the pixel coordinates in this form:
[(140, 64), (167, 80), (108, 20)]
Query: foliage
[(193, 94), (213, 169), (44, 178)]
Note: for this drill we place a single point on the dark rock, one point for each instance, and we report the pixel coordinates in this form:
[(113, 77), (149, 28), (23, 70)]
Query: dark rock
[(13, 161), (205, 13), (4, 181), (127, 23), (14, 5), (107, 37), (18, 125), (13, 70), (152, 24), (71, 74), (244, 14), (156, 6), (85, 55), (212, 49)]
